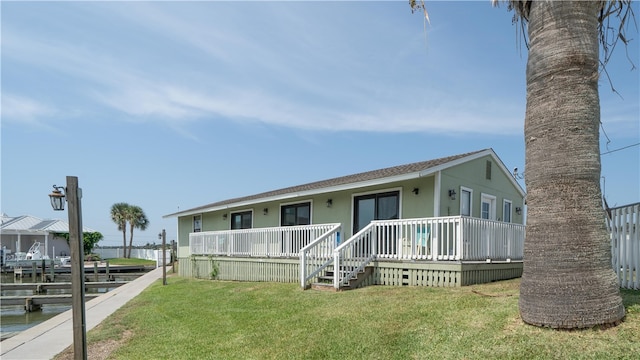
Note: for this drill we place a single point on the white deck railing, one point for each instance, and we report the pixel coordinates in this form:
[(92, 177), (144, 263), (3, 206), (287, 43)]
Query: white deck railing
[(625, 245), (316, 256), (437, 239), (284, 241)]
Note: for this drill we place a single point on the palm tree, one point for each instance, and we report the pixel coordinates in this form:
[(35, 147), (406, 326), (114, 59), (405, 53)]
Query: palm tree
[(567, 281), (119, 216), (137, 220)]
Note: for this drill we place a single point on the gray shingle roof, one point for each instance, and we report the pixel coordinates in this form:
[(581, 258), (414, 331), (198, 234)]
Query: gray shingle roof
[(343, 180)]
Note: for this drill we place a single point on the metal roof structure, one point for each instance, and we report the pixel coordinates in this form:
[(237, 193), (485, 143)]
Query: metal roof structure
[(28, 224)]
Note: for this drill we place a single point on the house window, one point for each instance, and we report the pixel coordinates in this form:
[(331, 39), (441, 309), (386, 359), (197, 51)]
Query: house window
[(197, 223), (506, 210), (241, 220), (382, 206), (465, 201), (295, 214)]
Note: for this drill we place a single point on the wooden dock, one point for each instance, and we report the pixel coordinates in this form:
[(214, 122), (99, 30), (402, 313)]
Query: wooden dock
[(39, 288), (35, 302)]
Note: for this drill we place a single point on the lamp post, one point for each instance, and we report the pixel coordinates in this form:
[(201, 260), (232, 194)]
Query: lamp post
[(163, 236), (73, 194)]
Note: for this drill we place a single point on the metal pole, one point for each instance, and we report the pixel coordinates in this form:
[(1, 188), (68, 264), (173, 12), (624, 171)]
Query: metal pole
[(74, 195), (164, 257)]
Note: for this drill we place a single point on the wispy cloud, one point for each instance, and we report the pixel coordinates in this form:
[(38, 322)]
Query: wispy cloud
[(290, 81), (19, 109)]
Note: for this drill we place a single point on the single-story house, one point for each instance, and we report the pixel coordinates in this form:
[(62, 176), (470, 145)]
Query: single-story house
[(21, 234), (451, 221)]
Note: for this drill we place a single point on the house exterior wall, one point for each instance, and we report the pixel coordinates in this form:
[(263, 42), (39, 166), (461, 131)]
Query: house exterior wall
[(341, 211), (472, 175)]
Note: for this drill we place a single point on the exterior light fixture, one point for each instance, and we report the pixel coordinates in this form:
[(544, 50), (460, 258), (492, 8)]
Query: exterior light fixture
[(415, 191), (518, 210), (265, 211), (452, 194), (329, 203), (224, 216), (57, 198)]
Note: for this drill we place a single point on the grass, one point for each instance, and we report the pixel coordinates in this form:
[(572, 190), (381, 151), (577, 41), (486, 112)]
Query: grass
[(132, 261), (201, 319)]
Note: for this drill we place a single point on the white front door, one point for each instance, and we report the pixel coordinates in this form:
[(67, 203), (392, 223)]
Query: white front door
[(488, 207)]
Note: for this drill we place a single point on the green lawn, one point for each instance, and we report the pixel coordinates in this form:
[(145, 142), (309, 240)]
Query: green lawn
[(201, 319)]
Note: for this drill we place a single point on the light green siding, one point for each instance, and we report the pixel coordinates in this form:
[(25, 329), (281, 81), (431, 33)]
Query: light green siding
[(412, 206), (473, 175), (470, 174)]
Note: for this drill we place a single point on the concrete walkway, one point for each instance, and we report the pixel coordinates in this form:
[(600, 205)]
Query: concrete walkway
[(48, 339)]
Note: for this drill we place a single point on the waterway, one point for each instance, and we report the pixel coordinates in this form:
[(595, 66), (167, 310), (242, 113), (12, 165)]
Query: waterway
[(14, 319)]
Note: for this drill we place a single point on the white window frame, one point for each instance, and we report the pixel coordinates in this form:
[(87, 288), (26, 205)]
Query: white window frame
[(470, 191), (193, 223), (504, 204), (310, 201), (240, 212)]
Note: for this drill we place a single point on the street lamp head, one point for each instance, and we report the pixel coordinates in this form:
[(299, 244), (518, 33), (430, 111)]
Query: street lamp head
[(57, 198)]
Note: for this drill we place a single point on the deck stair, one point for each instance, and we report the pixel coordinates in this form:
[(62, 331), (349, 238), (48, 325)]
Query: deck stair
[(325, 282)]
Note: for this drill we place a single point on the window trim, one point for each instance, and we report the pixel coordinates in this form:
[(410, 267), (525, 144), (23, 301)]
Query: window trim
[(283, 205), (250, 211), (399, 190), (193, 223), (470, 191), (504, 203)]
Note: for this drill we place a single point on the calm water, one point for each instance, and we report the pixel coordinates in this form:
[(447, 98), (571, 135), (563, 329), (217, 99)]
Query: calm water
[(15, 319)]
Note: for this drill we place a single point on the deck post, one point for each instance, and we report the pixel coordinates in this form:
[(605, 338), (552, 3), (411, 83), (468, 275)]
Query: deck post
[(53, 270), (164, 257), (303, 269), (34, 272)]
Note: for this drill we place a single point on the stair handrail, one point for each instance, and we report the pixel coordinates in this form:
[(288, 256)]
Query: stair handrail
[(348, 260), (318, 254)]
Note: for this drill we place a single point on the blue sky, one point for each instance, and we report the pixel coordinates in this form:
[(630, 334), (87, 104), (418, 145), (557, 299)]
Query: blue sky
[(172, 105)]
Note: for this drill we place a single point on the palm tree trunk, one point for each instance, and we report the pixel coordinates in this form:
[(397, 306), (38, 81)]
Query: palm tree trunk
[(124, 240), (567, 280), (130, 241)]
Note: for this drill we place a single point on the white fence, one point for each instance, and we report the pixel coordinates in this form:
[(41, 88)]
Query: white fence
[(284, 241), (147, 254), (625, 245)]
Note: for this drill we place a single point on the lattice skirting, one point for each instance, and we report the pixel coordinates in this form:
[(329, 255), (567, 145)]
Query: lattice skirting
[(418, 273), (442, 274), (241, 269)]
